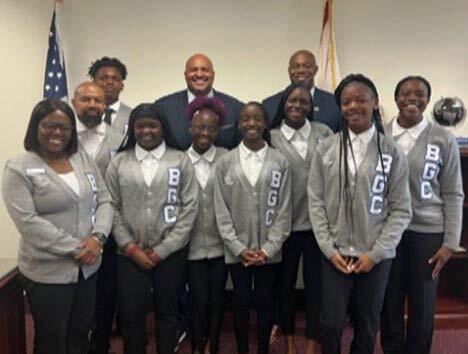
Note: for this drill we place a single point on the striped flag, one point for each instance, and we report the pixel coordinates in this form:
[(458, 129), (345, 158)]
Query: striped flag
[(55, 78), (328, 75)]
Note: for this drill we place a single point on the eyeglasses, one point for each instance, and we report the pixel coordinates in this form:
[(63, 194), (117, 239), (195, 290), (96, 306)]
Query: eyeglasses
[(50, 127)]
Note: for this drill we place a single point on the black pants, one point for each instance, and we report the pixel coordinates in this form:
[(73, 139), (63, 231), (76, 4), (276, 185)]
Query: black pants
[(255, 283), (410, 278), (138, 290), (106, 299), (367, 291), (297, 244), (62, 315), (207, 282)]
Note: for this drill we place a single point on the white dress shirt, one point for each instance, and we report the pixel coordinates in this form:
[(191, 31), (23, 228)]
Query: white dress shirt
[(252, 162), (359, 143), (191, 95), (203, 163), (115, 107), (71, 180), (91, 139), (149, 161), (299, 138), (406, 138)]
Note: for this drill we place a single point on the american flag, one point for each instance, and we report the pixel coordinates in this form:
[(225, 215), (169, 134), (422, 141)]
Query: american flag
[(55, 78)]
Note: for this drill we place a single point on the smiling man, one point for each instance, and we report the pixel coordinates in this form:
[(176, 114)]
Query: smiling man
[(199, 76), (302, 69)]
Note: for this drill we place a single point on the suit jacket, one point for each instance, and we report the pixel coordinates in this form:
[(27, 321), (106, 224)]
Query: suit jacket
[(121, 120), (325, 108), (176, 103)]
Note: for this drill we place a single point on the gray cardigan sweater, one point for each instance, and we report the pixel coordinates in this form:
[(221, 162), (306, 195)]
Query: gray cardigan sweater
[(205, 240), (253, 217), (51, 218), (300, 170), (380, 211), (160, 216), (108, 148), (436, 184)]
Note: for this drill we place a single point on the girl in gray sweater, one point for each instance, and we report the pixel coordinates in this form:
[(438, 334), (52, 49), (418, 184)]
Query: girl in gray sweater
[(253, 211), (207, 270), (296, 135), (359, 206), (434, 232), (155, 194)]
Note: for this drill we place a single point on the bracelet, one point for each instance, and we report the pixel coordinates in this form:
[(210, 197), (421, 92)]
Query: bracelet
[(130, 250)]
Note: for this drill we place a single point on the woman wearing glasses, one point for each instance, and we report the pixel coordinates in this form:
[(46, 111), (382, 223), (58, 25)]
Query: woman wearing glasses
[(61, 208)]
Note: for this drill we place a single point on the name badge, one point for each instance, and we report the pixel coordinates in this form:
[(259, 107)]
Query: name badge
[(35, 171)]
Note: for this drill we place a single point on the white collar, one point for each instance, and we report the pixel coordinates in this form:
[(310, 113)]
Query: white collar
[(312, 91), (191, 96), (246, 153), (289, 132), (100, 129), (414, 132), (208, 155), (115, 106), (157, 153), (365, 136)]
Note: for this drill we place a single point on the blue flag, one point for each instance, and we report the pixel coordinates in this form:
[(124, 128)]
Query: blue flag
[(55, 78)]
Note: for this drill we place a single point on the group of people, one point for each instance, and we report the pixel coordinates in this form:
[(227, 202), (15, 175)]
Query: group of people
[(132, 210)]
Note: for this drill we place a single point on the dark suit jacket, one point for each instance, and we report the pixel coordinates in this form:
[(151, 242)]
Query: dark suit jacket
[(175, 105), (325, 108)]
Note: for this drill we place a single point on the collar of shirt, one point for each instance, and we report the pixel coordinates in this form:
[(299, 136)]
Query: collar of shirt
[(246, 153), (142, 154), (208, 155), (289, 132), (312, 91), (363, 137), (191, 96), (115, 106), (414, 132), (100, 129)]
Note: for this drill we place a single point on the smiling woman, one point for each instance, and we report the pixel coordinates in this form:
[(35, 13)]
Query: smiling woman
[(60, 205)]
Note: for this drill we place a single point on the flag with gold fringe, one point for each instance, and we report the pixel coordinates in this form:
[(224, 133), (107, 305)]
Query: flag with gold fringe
[(328, 75)]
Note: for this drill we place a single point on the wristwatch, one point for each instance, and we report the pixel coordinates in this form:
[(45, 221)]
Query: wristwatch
[(101, 238)]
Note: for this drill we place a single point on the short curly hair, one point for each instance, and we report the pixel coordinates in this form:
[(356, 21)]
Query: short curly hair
[(106, 61)]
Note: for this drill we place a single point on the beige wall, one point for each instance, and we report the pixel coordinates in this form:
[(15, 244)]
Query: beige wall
[(249, 41)]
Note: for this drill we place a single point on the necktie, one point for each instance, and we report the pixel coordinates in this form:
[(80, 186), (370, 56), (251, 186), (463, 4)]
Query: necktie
[(108, 115)]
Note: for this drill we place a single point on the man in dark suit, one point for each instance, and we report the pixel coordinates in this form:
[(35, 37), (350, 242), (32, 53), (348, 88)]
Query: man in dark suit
[(302, 69), (110, 73), (199, 75)]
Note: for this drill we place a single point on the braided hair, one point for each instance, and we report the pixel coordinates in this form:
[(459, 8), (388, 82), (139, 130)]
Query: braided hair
[(345, 139)]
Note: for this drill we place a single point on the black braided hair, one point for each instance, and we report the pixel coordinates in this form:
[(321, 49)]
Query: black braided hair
[(346, 141)]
